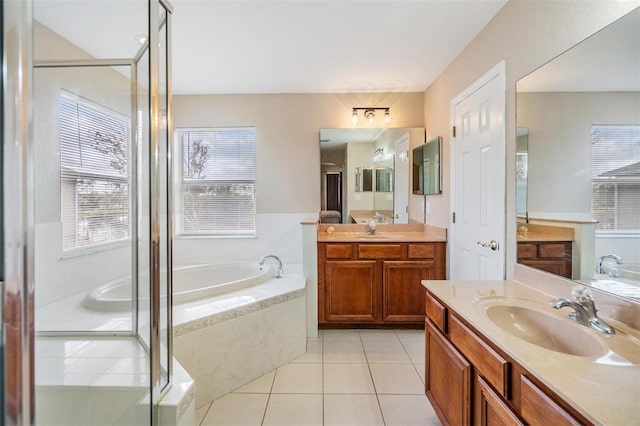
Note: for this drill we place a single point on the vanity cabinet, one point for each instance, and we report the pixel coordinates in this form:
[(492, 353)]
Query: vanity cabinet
[(550, 256), (470, 381), (375, 284)]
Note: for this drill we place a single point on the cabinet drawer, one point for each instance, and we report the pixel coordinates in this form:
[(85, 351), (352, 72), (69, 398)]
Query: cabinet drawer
[(492, 366), (379, 251), (338, 251), (538, 408), (526, 251), (421, 251), (552, 250), (436, 312)]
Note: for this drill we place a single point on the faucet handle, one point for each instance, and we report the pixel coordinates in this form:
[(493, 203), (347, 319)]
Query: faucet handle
[(581, 294)]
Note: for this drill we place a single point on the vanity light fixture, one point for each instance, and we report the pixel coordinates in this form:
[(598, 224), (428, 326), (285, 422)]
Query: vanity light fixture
[(370, 113)]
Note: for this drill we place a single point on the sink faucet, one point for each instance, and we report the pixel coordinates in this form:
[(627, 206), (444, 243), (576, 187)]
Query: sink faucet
[(600, 268), (279, 270), (371, 228), (584, 310)]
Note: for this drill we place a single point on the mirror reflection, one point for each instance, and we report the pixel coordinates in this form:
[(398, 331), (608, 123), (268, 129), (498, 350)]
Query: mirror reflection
[(581, 112), (426, 168), (360, 172)]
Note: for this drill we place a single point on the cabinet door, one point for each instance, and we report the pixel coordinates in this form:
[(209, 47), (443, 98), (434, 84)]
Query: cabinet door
[(538, 408), (493, 410), (447, 379), (350, 291), (402, 293)]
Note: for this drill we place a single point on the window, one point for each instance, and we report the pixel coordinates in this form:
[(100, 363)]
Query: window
[(615, 167), (94, 174), (217, 182)]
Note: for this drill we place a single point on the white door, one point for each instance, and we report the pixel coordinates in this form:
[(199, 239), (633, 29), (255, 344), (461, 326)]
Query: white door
[(478, 180), (401, 185)]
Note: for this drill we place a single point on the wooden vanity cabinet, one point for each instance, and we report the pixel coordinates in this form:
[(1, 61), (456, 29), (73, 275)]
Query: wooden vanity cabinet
[(375, 284), (470, 381), (550, 256)]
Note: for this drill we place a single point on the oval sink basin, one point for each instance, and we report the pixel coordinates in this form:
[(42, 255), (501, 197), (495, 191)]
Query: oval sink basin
[(546, 331)]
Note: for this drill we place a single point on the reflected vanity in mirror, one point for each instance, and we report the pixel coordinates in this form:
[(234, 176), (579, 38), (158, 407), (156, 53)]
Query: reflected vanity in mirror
[(426, 168), (358, 175), (578, 162)]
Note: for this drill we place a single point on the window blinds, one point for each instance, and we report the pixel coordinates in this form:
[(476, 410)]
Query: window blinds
[(218, 181), (94, 174), (615, 166)]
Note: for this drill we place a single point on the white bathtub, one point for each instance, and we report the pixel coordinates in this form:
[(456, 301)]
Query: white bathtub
[(189, 283)]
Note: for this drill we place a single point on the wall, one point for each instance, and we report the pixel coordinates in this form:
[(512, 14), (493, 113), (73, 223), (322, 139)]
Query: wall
[(287, 160), (526, 34)]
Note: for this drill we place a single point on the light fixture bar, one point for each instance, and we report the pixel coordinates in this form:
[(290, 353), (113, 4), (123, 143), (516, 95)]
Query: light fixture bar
[(369, 113)]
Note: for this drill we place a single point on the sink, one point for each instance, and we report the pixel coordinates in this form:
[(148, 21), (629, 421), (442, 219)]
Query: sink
[(546, 330)]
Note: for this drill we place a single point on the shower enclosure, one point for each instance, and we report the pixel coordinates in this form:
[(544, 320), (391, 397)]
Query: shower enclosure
[(95, 197)]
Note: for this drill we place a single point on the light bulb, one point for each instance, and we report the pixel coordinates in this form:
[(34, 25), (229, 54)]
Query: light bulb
[(370, 115), (387, 116), (354, 116)]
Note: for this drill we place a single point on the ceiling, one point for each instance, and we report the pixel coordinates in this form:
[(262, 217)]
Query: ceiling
[(292, 46)]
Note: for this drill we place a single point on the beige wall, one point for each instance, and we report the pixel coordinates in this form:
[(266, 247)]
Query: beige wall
[(559, 123), (526, 34), (287, 135)]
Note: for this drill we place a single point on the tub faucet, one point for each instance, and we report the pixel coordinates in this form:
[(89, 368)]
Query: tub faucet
[(279, 270), (600, 268), (584, 310)]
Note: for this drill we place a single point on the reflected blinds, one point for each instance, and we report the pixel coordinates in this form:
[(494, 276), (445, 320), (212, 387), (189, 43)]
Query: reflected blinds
[(615, 167), (217, 181), (94, 173)]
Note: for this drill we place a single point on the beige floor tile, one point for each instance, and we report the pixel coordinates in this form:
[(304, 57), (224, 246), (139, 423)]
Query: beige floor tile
[(260, 385), (382, 335), (352, 410), (237, 409), (347, 378), (405, 335), (298, 378), (294, 410), (396, 379), (415, 350), (389, 352), (314, 352), (407, 410), (201, 412), (341, 335), (343, 352), (420, 369)]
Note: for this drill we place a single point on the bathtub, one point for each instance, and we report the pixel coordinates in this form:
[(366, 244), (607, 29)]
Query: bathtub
[(189, 283)]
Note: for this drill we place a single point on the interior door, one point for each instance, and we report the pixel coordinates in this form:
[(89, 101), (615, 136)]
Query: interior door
[(478, 180), (401, 189), (334, 191)]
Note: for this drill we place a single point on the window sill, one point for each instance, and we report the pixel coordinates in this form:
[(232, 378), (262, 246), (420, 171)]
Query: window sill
[(213, 237), (82, 251)]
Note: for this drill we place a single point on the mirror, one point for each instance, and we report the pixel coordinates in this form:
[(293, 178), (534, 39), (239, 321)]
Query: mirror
[(426, 168), (358, 174), (580, 183)]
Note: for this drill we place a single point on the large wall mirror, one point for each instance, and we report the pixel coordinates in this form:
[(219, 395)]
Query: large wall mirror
[(359, 173), (427, 173), (578, 161)]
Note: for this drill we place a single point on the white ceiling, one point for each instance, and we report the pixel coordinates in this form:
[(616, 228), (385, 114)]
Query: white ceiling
[(609, 60), (291, 46)]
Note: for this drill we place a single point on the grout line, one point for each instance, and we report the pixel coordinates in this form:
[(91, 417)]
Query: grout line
[(266, 406)]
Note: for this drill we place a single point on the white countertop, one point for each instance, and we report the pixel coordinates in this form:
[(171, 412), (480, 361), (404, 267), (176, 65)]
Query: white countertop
[(606, 389)]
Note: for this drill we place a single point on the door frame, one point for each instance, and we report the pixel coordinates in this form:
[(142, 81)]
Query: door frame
[(498, 72), (396, 182)]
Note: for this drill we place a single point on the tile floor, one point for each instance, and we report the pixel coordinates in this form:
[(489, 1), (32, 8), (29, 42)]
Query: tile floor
[(347, 377)]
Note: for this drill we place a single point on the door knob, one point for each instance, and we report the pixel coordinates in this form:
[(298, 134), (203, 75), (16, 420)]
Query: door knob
[(493, 245)]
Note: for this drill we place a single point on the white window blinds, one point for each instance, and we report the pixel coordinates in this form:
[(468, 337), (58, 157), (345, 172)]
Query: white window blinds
[(94, 174), (615, 166), (217, 181)]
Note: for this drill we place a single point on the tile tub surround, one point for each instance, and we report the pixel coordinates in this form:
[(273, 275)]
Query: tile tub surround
[(103, 380), (572, 378), (226, 341), (346, 377)]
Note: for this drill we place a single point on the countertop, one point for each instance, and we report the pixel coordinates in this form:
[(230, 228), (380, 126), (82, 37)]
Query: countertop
[(606, 389), (543, 233), (385, 233)]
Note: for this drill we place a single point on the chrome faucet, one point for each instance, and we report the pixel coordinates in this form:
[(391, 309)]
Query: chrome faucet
[(371, 228), (279, 270), (584, 310), (600, 268)]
